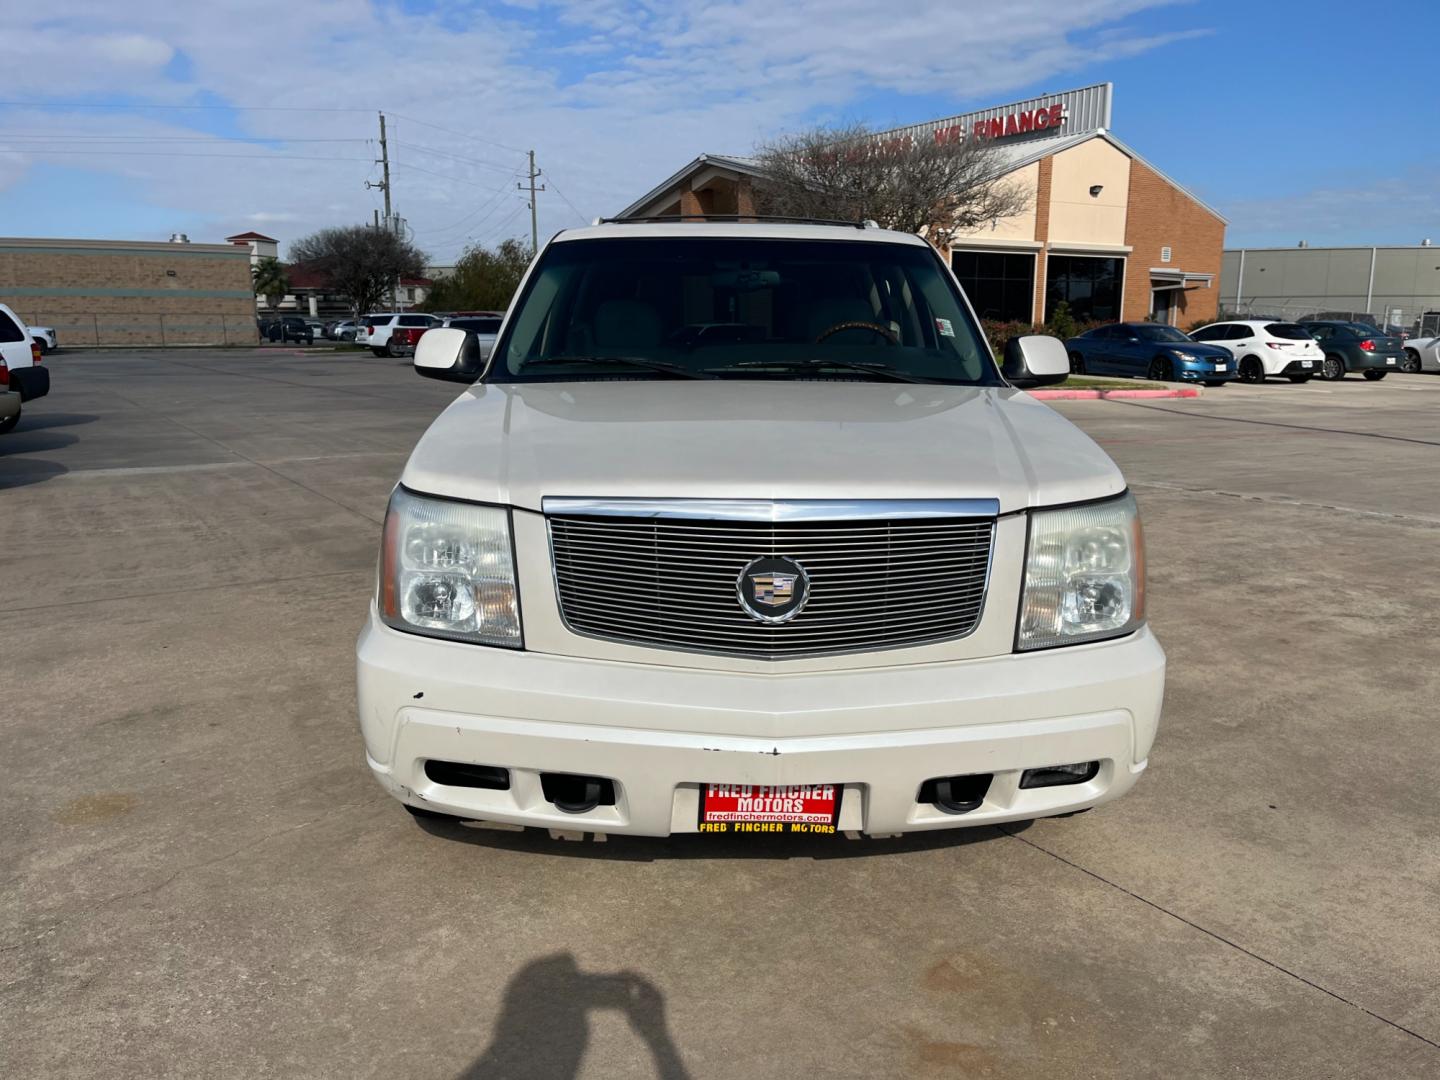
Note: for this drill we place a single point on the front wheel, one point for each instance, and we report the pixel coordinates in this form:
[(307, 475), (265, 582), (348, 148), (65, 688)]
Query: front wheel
[(1251, 370), (1332, 368), (1161, 370), (1410, 362), (1298, 378), (1375, 376)]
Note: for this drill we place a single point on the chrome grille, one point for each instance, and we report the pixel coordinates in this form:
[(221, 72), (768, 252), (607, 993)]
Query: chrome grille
[(671, 584)]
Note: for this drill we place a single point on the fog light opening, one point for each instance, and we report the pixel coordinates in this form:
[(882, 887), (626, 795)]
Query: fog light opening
[(463, 774), (1057, 775), (956, 794), (574, 794)]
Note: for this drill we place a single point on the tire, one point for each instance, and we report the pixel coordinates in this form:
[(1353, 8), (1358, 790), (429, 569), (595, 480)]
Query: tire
[(1375, 376), (1410, 363), (1252, 370), (377, 352), (1161, 370), (1298, 378), (9, 424), (1332, 368), (1077, 364)]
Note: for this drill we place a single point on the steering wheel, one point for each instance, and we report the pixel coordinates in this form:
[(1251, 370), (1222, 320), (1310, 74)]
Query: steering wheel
[(889, 335)]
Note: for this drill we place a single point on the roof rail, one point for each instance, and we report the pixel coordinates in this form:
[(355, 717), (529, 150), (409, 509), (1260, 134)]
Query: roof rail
[(759, 218)]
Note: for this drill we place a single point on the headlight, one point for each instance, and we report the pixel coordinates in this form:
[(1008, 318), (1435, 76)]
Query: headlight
[(1187, 356), (447, 569), (1084, 575)]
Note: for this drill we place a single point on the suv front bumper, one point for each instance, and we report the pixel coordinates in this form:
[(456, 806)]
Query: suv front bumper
[(661, 732)]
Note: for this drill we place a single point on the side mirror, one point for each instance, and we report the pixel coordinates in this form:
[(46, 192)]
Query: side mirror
[(1033, 360), (448, 353)]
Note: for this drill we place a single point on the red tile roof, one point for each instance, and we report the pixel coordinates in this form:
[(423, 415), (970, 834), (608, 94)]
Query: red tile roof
[(252, 236)]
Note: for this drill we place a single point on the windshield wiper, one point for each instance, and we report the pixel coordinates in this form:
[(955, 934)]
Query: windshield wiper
[(885, 371), (627, 361)]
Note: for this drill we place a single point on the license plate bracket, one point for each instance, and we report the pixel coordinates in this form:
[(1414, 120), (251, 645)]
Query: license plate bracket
[(770, 808)]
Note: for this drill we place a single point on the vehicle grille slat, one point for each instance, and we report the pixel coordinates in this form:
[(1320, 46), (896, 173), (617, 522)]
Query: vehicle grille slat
[(671, 584)]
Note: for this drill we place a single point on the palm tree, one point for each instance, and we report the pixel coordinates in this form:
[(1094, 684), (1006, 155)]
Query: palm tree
[(271, 281)]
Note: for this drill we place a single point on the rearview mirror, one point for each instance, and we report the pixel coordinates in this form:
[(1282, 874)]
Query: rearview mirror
[(448, 353), (1033, 360)]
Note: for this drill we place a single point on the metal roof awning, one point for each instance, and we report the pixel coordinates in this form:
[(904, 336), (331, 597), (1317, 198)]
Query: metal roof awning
[(1165, 277)]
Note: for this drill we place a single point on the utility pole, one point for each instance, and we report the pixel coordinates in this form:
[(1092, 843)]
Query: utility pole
[(534, 224), (384, 185)]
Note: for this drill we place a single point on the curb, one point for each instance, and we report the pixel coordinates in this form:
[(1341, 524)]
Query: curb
[(1091, 395)]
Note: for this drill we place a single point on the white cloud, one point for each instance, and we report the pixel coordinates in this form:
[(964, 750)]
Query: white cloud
[(613, 94)]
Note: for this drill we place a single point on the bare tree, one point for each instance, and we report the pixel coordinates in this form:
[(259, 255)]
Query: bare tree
[(361, 262), (938, 187)]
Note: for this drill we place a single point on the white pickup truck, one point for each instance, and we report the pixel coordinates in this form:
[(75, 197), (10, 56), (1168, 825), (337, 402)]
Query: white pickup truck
[(21, 372), (742, 529)]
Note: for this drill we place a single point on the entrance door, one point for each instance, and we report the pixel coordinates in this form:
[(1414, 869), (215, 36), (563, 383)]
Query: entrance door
[(1160, 301)]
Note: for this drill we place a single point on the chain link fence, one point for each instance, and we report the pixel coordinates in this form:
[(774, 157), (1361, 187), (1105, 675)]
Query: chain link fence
[(182, 328), (1404, 316)]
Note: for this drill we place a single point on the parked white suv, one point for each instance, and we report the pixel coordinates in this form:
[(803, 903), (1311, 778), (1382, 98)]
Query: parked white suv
[(375, 330), (1265, 347), (24, 375), (742, 529)]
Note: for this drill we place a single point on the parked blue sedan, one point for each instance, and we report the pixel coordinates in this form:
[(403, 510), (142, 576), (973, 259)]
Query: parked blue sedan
[(1149, 350)]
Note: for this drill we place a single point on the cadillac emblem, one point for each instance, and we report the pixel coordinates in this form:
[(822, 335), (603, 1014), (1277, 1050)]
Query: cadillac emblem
[(773, 590)]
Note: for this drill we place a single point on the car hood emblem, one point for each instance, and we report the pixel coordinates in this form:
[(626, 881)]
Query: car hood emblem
[(773, 590)]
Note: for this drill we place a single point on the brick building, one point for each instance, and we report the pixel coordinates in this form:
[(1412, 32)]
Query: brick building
[(1106, 231), (126, 292)]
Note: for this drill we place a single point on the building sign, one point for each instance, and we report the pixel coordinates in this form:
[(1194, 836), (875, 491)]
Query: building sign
[(1045, 118)]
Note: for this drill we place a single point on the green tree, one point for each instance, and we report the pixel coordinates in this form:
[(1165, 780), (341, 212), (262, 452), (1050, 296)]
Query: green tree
[(271, 281), (361, 261), (483, 279)]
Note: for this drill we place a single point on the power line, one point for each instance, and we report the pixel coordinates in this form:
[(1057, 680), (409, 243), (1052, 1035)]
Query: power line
[(457, 157), (442, 176), (487, 204), (452, 131), (556, 188)]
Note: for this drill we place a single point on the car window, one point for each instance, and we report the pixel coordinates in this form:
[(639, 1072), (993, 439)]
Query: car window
[(741, 307), (1209, 333), (1319, 331), (373, 321), (1361, 330), (415, 320), (1288, 331), (9, 331), (1239, 332), (1157, 332), (477, 326)]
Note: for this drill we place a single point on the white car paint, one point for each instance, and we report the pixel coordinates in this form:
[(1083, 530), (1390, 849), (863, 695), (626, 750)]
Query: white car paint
[(660, 723), (1426, 350), (49, 342), (1278, 355), (19, 353)]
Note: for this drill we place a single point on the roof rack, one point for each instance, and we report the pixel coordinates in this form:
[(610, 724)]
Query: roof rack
[(760, 218)]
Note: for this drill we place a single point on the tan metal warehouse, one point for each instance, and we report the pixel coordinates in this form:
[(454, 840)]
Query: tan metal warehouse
[(131, 292), (1107, 232)]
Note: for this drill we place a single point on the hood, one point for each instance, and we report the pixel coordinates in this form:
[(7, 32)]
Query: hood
[(1199, 348), (515, 443)]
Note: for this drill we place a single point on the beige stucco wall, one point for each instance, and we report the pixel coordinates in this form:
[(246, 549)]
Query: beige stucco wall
[(1019, 227), (1076, 216)]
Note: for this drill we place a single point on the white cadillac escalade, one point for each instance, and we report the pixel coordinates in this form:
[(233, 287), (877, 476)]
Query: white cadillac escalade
[(741, 528)]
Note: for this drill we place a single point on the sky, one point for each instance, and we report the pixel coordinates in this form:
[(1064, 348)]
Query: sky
[(1315, 121)]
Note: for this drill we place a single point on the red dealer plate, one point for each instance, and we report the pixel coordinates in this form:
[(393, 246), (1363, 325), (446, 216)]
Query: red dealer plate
[(761, 808)]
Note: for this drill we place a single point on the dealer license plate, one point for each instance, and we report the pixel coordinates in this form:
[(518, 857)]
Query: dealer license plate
[(766, 808)]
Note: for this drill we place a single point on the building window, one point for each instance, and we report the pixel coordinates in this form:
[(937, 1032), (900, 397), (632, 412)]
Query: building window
[(1090, 284), (1000, 284)]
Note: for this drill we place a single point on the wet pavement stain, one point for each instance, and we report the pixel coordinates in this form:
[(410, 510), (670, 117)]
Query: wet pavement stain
[(94, 809)]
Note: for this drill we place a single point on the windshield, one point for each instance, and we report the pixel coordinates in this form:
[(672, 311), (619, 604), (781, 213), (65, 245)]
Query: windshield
[(1160, 333), (740, 307)]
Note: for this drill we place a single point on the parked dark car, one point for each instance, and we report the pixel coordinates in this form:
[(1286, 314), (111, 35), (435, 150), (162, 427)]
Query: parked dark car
[(290, 328), (1149, 350), (1352, 346)]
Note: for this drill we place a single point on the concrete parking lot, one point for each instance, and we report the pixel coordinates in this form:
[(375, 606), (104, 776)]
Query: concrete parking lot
[(201, 879)]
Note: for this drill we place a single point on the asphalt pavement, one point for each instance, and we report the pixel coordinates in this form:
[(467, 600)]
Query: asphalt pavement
[(198, 877)]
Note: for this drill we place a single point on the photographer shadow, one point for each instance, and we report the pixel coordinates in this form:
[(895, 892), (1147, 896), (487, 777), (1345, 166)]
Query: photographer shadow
[(544, 1024)]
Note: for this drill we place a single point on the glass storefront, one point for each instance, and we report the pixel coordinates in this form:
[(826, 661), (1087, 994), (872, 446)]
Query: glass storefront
[(1000, 284), (1092, 286)]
